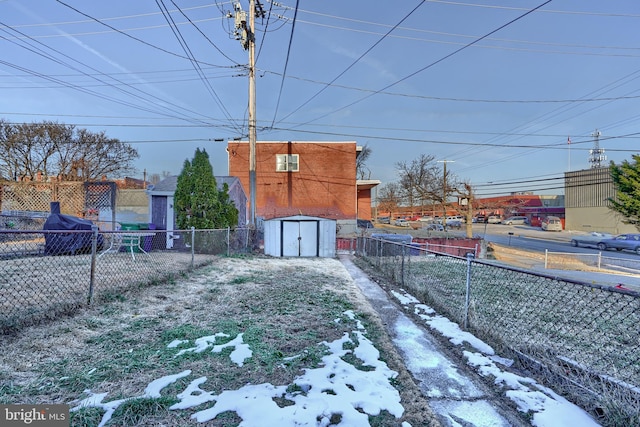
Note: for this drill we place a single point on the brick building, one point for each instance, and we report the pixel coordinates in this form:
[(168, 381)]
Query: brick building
[(304, 178)]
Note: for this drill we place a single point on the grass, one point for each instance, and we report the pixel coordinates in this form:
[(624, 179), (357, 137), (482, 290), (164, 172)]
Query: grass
[(284, 308), (548, 320)]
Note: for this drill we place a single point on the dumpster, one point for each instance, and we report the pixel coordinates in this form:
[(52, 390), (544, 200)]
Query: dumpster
[(148, 240), (127, 241)]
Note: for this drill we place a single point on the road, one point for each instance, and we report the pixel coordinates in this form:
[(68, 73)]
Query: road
[(534, 239), (621, 267)]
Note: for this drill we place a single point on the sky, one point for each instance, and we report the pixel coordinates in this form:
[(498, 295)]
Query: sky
[(494, 88), (355, 393)]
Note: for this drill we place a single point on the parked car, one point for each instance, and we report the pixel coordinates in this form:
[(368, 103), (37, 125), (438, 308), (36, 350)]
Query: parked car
[(364, 223), (401, 222), (516, 220), (591, 239), (551, 223), (479, 219), (384, 220), (630, 242), (426, 218), (494, 219), (455, 218), (435, 227)]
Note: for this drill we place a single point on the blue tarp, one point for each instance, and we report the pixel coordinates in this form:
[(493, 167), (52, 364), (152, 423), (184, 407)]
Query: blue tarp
[(68, 243)]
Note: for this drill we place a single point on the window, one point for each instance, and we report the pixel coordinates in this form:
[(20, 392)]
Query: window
[(287, 162)]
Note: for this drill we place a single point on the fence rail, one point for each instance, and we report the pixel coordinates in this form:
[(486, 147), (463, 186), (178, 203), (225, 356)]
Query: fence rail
[(44, 274), (579, 261), (582, 338)]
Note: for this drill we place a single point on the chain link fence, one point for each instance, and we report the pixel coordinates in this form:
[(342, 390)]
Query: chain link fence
[(580, 339), (46, 274)]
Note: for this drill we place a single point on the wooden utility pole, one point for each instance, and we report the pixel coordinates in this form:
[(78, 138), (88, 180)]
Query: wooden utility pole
[(445, 193), (252, 113)]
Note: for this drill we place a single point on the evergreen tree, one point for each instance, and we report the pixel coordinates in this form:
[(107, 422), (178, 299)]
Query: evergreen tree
[(198, 202), (626, 179)]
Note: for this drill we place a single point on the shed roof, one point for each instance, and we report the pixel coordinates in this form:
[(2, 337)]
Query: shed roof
[(168, 185), (300, 218)]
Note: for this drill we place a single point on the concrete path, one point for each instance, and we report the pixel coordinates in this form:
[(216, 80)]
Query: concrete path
[(458, 398)]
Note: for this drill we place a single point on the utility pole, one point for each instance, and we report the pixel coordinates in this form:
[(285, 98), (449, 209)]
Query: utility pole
[(252, 112), (467, 200), (444, 193), (246, 34)]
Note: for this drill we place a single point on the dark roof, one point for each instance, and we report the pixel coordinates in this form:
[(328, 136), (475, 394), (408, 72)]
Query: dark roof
[(170, 183)]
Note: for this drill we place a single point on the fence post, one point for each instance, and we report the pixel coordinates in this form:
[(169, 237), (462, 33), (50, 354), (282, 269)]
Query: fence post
[(193, 248), (546, 258), (599, 260), (94, 255), (402, 266), (228, 240), (467, 297)]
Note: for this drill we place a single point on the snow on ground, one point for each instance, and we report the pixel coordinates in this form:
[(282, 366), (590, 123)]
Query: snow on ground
[(548, 409), (337, 387)]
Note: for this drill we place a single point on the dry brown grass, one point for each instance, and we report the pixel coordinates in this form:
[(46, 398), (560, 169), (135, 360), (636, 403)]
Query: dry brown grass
[(284, 307)]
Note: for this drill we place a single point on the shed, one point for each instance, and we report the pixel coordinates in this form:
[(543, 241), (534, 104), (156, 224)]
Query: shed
[(163, 216), (300, 236)]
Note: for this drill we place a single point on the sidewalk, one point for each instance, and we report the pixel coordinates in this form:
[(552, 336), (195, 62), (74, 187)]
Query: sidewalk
[(452, 394), (456, 394)]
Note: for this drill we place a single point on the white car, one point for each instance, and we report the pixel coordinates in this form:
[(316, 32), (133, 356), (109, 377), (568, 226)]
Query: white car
[(516, 220), (401, 222), (494, 219), (551, 223)]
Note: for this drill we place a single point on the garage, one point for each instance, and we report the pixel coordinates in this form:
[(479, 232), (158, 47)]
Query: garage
[(300, 236)]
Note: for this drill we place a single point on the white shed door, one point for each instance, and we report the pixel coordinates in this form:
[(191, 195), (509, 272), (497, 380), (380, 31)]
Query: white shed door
[(299, 238)]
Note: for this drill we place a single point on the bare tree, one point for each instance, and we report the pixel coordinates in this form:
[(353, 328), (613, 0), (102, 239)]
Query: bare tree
[(361, 159), (420, 181), (389, 197), (58, 149)]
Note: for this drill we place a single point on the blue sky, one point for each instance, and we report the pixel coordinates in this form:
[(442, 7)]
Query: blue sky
[(484, 84)]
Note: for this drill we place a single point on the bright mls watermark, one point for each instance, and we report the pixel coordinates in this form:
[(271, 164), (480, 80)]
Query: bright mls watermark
[(34, 415)]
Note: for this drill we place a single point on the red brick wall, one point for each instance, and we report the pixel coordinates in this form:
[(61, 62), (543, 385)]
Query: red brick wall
[(325, 185), (364, 204)]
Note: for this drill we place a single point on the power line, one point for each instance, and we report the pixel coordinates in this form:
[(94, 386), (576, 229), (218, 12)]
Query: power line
[(286, 62), (196, 66), (200, 31), (38, 51), (129, 35), (440, 33), (353, 63), (433, 63)]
